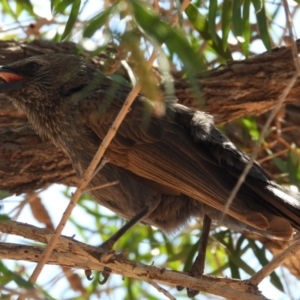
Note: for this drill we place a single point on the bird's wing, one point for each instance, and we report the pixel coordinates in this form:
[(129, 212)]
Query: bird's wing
[(277, 200), (178, 153)]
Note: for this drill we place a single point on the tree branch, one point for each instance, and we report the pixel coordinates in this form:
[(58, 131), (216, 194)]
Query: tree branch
[(276, 262), (73, 254)]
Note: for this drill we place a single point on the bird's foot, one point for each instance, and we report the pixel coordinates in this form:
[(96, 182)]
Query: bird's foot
[(197, 268), (105, 274), (88, 275), (194, 272), (105, 257), (107, 246)]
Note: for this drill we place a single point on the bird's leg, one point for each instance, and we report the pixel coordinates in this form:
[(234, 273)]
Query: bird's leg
[(197, 268), (108, 245), (198, 265)]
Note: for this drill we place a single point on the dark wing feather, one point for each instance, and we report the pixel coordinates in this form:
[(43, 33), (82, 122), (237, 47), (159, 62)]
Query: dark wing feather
[(276, 199), (183, 152)]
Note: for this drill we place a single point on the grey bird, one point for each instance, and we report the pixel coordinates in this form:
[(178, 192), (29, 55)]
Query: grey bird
[(169, 168)]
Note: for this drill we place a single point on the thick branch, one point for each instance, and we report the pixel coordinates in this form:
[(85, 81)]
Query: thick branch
[(73, 254)]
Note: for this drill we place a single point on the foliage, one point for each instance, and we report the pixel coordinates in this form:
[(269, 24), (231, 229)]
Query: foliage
[(208, 34)]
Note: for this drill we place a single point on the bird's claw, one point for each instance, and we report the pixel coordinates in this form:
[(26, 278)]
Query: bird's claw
[(105, 273), (190, 292), (88, 275), (179, 288)]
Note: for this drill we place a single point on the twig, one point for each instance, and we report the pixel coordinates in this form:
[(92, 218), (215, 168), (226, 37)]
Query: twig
[(276, 262), (53, 241), (162, 290), (20, 207), (102, 186), (156, 6), (273, 156), (293, 43), (32, 294), (103, 162), (183, 6), (282, 141)]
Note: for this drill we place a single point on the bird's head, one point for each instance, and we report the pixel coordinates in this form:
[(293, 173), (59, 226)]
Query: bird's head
[(46, 80)]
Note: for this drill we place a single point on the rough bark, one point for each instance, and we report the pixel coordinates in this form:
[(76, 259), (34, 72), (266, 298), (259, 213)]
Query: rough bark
[(73, 254), (249, 87)]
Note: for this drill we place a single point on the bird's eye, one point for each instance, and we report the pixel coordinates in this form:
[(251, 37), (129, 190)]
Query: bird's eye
[(32, 67)]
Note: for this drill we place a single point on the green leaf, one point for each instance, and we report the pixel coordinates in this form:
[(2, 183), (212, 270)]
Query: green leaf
[(212, 13), (163, 33), (11, 276), (59, 7), (275, 13), (96, 22), (19, 9), (275, 280), (226, 21), (7, 9), (293, 167), (238, 262), (246, 28), (235, 261), (4, 218), (129, 292), (196, 18), (168, 246), (280, 164), (24, 5), (237, 20), (4, 194), (251, 126), (220, 270), (72, 18), (262, 22), (173, 38), (54, 3), (223, 237), (240, 242), (235, 272), (260, 254), (190, 257), (201, 25)]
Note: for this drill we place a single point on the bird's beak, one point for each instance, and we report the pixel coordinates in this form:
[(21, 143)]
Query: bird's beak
[(12, 81)]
